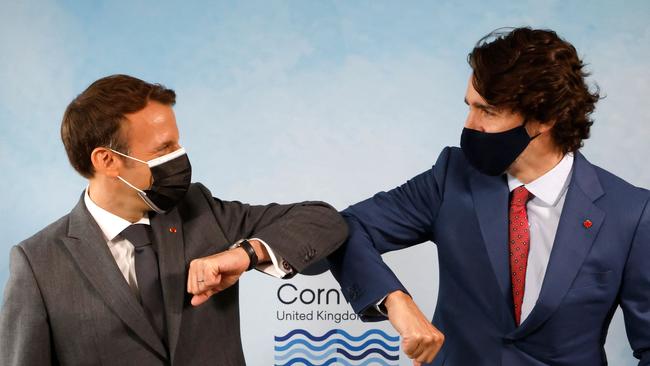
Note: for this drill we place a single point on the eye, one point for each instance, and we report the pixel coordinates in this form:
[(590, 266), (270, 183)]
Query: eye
[(487, 112), (163, 149)]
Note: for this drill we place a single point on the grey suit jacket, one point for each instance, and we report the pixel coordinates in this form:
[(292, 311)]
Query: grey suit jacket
[(67, 303)]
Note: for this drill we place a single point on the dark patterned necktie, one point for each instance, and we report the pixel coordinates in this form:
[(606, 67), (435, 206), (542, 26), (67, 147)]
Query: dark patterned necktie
[(519, 237), (147, 275)]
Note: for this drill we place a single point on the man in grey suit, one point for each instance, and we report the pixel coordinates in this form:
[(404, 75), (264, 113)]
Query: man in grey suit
[(107, 283)]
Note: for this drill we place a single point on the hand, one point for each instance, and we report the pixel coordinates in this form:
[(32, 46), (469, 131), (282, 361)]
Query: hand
[(210, 275), (421, 341)]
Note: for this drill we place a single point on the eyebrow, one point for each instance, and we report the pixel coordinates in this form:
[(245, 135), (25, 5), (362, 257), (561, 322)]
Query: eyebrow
[(482, 106), (163, 146)]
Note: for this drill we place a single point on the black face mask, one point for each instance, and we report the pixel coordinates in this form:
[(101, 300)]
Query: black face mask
[(493, 153), (172, 174)]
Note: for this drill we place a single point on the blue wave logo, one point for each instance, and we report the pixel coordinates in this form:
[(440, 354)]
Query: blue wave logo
[(336, 347)]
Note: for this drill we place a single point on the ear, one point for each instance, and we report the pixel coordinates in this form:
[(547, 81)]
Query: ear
[(546, 126), (106, 162), (535, 127)]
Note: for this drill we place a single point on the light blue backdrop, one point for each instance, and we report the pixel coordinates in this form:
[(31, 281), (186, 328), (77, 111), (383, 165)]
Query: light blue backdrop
[(295, 100)]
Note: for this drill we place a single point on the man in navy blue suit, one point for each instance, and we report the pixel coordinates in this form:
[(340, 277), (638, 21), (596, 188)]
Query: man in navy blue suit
[(537, 247)]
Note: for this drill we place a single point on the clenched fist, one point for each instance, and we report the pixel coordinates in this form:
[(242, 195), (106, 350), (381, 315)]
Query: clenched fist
[(210, 275), (421, 341)]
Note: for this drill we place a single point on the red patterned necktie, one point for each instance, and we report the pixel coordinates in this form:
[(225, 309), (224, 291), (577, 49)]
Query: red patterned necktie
[(519, 235)]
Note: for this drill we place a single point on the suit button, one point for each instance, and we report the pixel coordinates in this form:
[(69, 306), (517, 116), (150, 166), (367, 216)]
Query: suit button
[(310, 254)]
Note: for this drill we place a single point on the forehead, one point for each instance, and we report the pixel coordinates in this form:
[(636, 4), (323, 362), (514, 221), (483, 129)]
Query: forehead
[(471, 95), (154, 124)]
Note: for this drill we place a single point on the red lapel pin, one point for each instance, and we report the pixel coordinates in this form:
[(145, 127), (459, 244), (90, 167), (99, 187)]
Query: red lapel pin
[(172, 230), (587, 224)]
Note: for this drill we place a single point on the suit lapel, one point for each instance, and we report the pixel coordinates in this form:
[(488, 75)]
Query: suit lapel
[(572, 243), (180, 236), (168, 234), (88, 248), (490, 195)]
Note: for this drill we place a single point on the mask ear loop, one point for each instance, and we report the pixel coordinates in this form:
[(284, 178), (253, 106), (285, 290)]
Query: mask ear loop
[(142, 194), (127, 156), (524, 126), (131, 185), (124, 180)]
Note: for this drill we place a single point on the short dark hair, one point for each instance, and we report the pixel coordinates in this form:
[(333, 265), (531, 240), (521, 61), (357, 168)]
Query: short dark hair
[(94, 118), (536, 73)]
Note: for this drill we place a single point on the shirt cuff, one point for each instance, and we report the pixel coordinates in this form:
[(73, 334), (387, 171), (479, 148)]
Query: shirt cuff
[(278, 267), (380, 307)]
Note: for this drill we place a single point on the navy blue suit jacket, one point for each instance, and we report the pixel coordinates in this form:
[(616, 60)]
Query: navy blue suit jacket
[(591, 270)]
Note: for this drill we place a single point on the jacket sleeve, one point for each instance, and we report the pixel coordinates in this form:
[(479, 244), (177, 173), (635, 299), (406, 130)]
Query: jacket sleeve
[(635, 291), (388, 221), (301, 233), (24, 328)]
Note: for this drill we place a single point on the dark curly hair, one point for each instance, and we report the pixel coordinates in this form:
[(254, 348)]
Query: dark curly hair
[(94, 118), (538, 74)]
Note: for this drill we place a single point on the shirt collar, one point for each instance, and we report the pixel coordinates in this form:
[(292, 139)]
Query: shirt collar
[(110, 224), (549, 187)]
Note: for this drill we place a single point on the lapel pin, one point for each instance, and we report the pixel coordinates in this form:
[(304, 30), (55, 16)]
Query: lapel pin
[(587, 224), (172, 230)]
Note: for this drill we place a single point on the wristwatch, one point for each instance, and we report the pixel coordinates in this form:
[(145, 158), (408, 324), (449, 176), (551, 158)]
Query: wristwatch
[(248, 248)]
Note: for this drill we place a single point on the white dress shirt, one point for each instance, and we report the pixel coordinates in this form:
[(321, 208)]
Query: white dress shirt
[(544, 212), (112, 225)]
